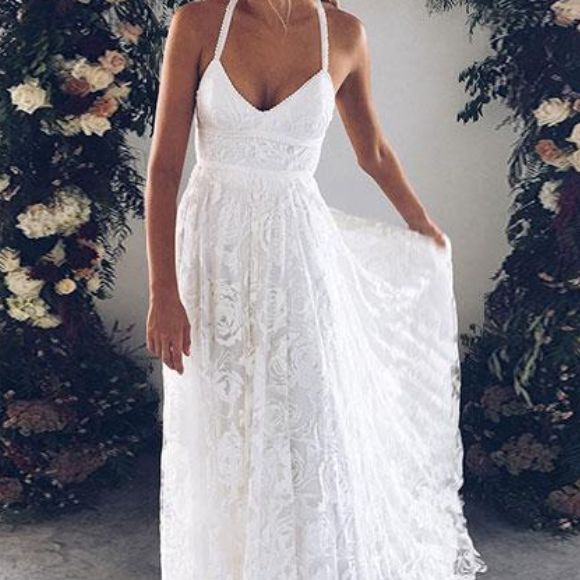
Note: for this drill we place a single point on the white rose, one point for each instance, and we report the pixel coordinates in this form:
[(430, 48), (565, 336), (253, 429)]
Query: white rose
[(19, 283), (29, 96), (574, 137), (575, 159), (94, 124), (566, 11), (57, 254), (65, 286), (37, 221), (66, 212), (549, 196), (46, 321), (552, 111), (9, 259), (113, 61), (100, 78), (22, 309), (94, 283), (97, 76)]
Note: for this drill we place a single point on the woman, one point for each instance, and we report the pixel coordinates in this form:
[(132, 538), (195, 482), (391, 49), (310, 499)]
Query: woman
[(310, 357)]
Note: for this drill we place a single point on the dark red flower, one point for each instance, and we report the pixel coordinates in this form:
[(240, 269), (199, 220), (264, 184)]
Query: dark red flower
[(80, 256), (45, 271), (89, 231)]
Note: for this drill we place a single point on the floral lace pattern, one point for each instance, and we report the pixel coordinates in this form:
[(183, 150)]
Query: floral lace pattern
[(314, 432)]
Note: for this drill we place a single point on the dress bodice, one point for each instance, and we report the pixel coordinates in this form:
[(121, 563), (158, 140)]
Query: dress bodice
[(229, 130)]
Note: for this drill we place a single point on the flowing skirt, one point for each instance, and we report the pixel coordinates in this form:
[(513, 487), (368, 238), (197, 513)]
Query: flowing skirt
[(314, 432)]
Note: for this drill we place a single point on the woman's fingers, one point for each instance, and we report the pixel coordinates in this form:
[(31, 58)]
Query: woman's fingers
[(186, 342), (151, 343)]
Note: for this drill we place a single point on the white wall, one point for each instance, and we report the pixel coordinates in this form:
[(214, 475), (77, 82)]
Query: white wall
[(458, 170)]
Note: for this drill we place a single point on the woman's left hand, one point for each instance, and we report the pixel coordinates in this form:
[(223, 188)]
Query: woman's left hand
[(428, 228)]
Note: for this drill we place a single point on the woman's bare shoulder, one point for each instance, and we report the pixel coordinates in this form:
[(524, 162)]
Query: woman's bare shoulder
[(347, 30), (200, 16)]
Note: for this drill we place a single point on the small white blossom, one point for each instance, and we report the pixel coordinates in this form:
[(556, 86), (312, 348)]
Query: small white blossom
[(118, 92), (65, 286), (552, 111), (575, 160), (21, 284), (57, 254), (21, 308), (94, 283), (574, 136), (9, 259), (549, 195), (46, 321), (4, 183), (94, 124), (29, 96)]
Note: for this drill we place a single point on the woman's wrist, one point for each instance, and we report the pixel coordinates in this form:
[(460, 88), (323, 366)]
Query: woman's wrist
[(163, 291)]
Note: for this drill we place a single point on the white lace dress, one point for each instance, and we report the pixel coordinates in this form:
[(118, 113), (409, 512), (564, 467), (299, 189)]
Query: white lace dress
[(314, 432)]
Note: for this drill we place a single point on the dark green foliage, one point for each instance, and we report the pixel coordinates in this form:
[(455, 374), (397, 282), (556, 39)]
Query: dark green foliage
[(75, 402), (521, 391)]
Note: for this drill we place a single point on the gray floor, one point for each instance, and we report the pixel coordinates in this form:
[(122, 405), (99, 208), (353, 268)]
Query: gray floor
[(119, 541)]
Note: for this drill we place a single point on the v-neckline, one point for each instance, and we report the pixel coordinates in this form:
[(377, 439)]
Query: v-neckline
[(321, 72)]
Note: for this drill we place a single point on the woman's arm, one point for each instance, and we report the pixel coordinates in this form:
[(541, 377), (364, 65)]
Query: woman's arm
[(168, 330), (374, 153)]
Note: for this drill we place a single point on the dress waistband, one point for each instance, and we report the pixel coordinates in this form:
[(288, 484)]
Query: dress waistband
[(210, 163)]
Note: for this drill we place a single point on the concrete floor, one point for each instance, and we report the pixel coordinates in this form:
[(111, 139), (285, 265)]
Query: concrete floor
[(119, 541)]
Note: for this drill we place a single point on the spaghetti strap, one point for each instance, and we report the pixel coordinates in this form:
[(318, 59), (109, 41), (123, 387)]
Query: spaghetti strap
[(225, 26), (323, 33)]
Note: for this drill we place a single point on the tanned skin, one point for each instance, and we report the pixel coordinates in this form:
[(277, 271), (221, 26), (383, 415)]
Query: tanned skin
[(260, 59)]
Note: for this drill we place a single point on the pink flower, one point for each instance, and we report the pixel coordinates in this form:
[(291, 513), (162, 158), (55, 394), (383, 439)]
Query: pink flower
[(130, 32)]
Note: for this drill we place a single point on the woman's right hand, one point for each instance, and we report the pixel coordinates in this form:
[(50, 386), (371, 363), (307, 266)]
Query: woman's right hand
[(168, 331)]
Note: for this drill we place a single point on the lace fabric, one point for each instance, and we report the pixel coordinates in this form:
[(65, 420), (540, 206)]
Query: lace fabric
[(314, 432)]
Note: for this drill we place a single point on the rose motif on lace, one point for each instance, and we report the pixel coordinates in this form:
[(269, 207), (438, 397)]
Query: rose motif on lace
[(229, 457), (227, 312), (229, 383)]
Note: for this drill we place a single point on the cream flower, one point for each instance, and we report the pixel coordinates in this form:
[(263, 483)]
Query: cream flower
[(552, 111), (118, 92), (9, 259), (4, 183), (574, 159), (21, 284), (113, 61), (567, 12), (130, 32), (22, 309), (94, 284), (65, 286), (46, 321), (92, 124), (67, 211), (549, 196), (574, 137), (97, 76), (57, 254), (29, 96), (37, 221)]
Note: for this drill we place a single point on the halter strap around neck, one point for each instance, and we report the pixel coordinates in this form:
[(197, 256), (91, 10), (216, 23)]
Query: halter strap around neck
[(227, 19)]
